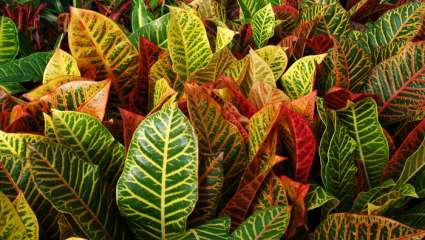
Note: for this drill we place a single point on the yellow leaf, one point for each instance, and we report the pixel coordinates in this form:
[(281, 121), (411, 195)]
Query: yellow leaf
[(61, 64)]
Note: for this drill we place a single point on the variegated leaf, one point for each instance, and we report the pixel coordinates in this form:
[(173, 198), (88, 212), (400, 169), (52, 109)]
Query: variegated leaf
[(224, 37), (12, 226), (361, 121), (257, 71), (250, 7), (262, 94), (155, 31), (25, 69), (269, 223), (162, 93), (140, 14), (299, 79), (158, 188), (187, 43), (9, 42), (98, 44), (413, 165), (275, 57), (27, 217), (217, 229), (263, 23), (399, 83), (61, 64), (74, 186)]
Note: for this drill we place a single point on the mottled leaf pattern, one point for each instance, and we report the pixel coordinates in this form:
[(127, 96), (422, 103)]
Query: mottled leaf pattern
[(413, 164), (215, 69), (61, 64), (275, 57), (9, 42), (263, 23)]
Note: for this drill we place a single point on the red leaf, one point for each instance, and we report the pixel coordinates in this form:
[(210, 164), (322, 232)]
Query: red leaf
[(296, 193), (337, 98), (231, 114), (319, 43), (407, 148), (283, 9), (131, 121), (296, 41), (149, 53), (243, 41), (305, 106), (300, 141)]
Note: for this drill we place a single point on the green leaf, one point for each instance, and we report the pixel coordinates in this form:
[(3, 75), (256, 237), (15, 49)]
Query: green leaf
[(318, 197), (187, 43), (9, 42), (398, 83), (155, 31), (275, 57), (354, 226), (413, 165), (257, 70), (334, 19), (298, 80), (13, 88), (140, 14), (402, 23), (88, 138), (263, 23), (74, 186), (250, 7), (215, 69), (217, 229), (340, 170), (61, 64), (224, 37), (25, 69), (361, 121), (12, 226), (270, 223), (159, 182), (27, 217)]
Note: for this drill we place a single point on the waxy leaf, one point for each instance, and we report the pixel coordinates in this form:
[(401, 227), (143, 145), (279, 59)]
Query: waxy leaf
[(250, 7), (140, 14), (224, 37), (162, 93), (25, 69), (74, 186), (158, 188), (98, 44), (399, 84), (262, 94), (413, 165), (27, 217), (130, 123), (340, 171), (12, 226), (269, 223), (217, 229), (298, 80), (318, 197), (275, 57), (155, 31), (356, 227), (272, 193), (215, 134), (257, 70), (361, 121), (187, 43), (90, 141), (263, 23), (61, 64), (402, 23), (9, 42)]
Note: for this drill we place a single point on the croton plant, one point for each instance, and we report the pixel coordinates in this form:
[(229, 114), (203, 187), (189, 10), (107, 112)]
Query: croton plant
[(214, 119)]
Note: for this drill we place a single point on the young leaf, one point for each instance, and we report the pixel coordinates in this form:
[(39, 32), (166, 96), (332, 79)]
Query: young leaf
[(339, 225), (130, 122), (25, 69), (224, 38), (109, 54), (164, 153), (263, 23), (398, 82), (413, 164), (340, 170), (250, 7), (361, 121), (74, 186), (188, 44), (298, 80), (90, 140), (61, 64), (9, 42), (270, 223)]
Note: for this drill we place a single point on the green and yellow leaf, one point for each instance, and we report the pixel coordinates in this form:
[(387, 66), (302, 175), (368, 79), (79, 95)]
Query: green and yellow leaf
[(275, 57), (61, 64), (263, 23), (9, 42)]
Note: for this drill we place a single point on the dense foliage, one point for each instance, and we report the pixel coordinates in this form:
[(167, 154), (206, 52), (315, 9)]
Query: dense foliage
[(212, 119)]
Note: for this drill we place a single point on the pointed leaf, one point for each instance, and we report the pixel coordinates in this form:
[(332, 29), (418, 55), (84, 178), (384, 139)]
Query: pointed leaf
[(361, 121), (188, 44), (130, 122), (159, 182), (413, 164), (275, 57), (27, 216), (215, 69), (64, 178), (140, 14), (162, 93), (272, 193), (155, 31), (262, 94), (269, 223), (9, 42), (217, 229), (224, 37), (98, 43), (250, 7), (90, 140), (318, 197), (263, 23), (340, 225), (25, 69), (12, 226), (298, 80), (61, 64), (399, 84)]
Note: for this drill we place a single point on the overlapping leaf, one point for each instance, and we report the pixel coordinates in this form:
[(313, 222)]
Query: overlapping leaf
[(158, 188), (25, 69), (60, 64), (155, 31), (263, 23), (215, 69), (98, 44), (275, 57)]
